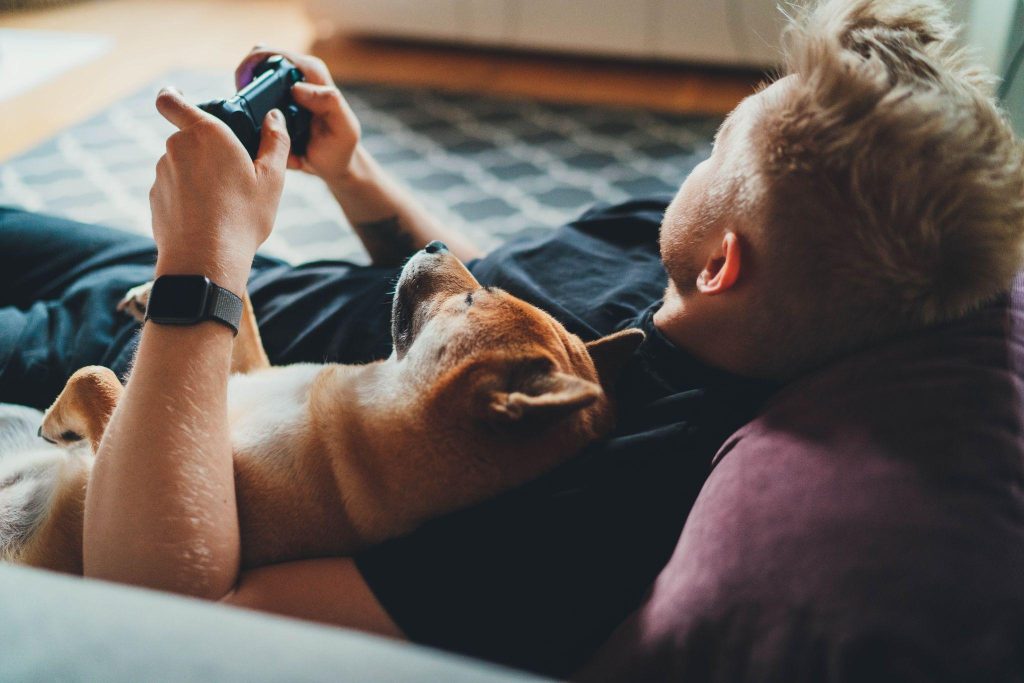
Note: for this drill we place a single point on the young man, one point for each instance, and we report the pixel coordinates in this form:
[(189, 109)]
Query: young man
[(874, 190)]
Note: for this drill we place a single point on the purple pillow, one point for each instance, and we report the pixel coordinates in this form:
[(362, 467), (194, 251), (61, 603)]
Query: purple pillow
[(868, 525)]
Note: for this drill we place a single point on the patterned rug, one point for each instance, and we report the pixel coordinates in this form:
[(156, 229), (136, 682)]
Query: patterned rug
[(492, 167)]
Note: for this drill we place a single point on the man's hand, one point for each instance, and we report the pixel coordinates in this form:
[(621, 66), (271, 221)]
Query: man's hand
[(212, 205), (386, 217), (334, 131)]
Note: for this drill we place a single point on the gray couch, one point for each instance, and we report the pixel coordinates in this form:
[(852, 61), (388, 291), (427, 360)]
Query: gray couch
[(58, 628)]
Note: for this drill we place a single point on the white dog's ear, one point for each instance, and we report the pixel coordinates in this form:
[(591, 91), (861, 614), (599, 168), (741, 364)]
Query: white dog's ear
[(610, 353), (535, 392)]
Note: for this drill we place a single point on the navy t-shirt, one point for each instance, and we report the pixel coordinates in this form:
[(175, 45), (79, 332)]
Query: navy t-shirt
[(539, 577)]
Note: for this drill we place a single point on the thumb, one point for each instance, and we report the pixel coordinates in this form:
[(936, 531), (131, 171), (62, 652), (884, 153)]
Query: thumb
[(272, 156)]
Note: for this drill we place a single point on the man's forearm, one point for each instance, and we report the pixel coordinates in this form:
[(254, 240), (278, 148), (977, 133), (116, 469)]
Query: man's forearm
[(161, 510), (390, 222)]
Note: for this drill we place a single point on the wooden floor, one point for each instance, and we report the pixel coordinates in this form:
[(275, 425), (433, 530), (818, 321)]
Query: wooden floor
[(152, 37)]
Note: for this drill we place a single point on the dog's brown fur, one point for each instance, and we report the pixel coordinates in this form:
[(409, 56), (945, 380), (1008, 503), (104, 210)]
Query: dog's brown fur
[(57, 543), (483, 392)]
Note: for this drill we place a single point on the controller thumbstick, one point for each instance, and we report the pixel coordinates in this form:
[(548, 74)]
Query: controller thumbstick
[(266, 65)]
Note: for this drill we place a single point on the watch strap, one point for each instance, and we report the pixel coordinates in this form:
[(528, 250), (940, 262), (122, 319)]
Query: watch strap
[(172, 296), (223, 306)]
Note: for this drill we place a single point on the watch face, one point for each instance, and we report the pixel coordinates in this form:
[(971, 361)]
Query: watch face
[(178, 299)]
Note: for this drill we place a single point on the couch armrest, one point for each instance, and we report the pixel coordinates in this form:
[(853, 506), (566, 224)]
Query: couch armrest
[(55, 627)]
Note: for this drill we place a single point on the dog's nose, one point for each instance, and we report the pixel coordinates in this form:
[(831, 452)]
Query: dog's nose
[(436, 247), (43, 436)]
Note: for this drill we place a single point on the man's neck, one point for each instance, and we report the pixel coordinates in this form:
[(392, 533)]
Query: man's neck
[(699, 337)]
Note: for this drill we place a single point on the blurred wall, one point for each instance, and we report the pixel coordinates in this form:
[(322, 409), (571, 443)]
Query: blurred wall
[(1013, 71)]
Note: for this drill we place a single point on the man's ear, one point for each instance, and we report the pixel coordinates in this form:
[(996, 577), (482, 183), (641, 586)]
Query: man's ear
[(535, 392), (722, 268), (611, 353)]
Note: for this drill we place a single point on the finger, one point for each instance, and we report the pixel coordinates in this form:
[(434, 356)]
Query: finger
[(272, 156), (173, 107), (297, 163), (325, 101), (313, 69)]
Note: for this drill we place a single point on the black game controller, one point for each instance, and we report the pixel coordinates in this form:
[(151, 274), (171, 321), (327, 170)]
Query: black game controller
[(271, 88)]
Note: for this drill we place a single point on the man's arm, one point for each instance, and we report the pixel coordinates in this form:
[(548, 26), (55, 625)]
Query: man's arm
[(330, 591), (160, 509), (389, 221)]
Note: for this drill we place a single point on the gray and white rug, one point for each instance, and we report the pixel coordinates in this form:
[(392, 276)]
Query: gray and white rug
[(492, 167)]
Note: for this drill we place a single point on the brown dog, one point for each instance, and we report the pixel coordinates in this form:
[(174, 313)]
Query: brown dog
[(483, 392)]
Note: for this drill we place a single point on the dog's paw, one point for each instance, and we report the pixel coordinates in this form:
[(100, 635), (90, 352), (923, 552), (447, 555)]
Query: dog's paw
[(55, 430), (81, 410), (135, 301)]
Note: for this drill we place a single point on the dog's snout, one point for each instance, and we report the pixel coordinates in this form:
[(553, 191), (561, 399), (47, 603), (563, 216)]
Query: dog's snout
[(428, 278), (39, 433)]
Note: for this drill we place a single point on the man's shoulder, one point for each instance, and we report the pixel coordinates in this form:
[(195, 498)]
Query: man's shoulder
[(592, 274)]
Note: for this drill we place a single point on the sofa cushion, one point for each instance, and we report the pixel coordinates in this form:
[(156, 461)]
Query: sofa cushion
[(868, 525), (60, 628)]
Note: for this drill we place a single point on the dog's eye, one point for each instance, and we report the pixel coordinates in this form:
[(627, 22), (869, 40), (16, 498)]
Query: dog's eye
[(469, 298)]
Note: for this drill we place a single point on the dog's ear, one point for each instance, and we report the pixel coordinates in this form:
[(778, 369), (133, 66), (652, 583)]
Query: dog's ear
[(535, 392), (610, 353)]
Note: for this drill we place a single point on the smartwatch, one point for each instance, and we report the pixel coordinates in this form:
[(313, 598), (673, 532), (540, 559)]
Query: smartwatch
[(190, 300)]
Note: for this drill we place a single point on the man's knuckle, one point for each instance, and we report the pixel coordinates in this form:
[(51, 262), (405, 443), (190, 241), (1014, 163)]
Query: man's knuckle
[(313, 67)]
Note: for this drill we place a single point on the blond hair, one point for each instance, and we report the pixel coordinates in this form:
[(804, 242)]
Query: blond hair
[(891, 185)]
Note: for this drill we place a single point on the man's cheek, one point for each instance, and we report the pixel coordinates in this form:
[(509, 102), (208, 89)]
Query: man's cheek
[(672, 256)]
